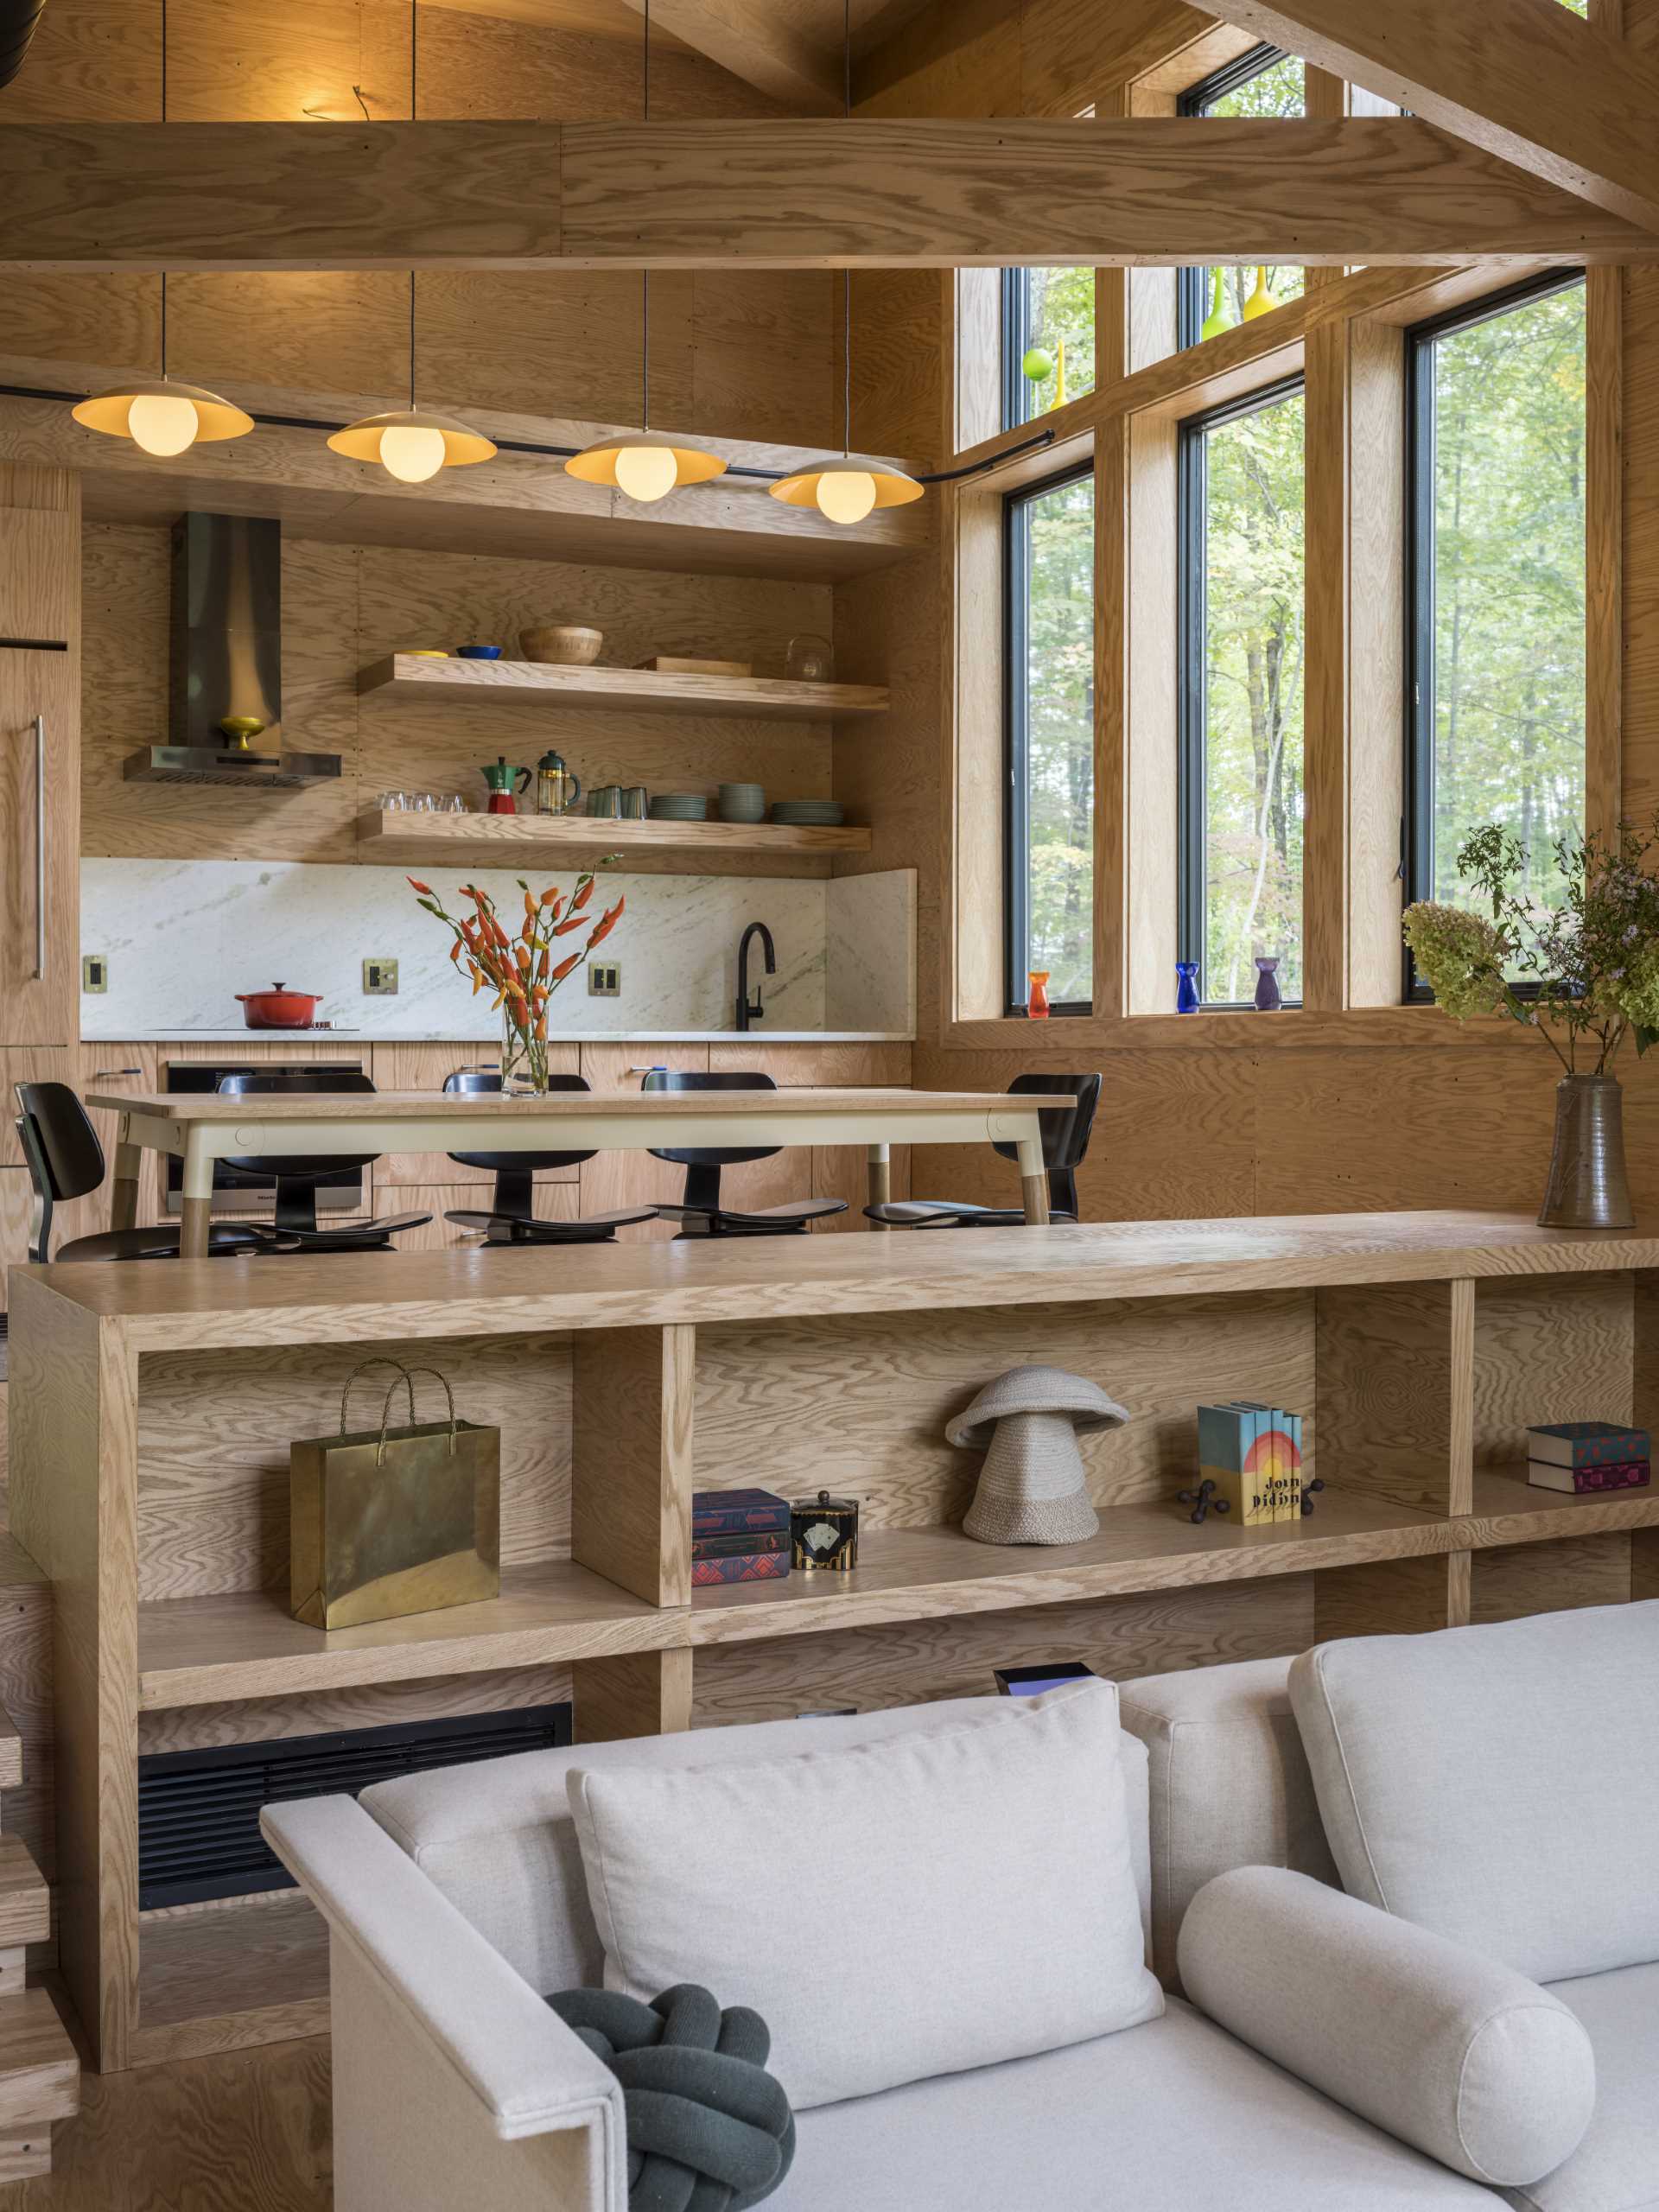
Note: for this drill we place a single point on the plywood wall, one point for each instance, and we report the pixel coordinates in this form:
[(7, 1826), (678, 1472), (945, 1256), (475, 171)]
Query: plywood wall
[(741, 354), (344, 607)]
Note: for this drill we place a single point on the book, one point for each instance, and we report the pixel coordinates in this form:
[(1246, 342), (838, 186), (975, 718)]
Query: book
[(1628, 1474), (1252, 1454), (739, 1567), (737, 1512), (752, 1540), (1586, 1444)]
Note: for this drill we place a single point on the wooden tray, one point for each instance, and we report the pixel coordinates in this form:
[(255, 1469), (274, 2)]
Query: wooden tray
[(679, 665)]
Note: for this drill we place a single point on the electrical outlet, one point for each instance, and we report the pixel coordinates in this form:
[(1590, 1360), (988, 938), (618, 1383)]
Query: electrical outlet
[(380, 979), (94, 972), (604, 979)]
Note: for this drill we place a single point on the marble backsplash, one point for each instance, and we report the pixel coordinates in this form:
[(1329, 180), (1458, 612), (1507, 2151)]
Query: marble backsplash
[(182, 937)]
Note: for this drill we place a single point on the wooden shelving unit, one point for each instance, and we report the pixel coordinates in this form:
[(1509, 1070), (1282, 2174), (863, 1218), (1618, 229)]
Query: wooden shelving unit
[(647, 690), (513, 840), (1420, 1346)]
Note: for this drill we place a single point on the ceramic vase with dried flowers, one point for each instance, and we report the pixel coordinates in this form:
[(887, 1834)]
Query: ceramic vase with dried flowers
[(522, 968), (1583, 972)]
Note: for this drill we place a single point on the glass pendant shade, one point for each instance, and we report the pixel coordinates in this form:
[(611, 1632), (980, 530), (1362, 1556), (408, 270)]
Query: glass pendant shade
[(162, 416), (412, 444), (645, 464), (846, 491)]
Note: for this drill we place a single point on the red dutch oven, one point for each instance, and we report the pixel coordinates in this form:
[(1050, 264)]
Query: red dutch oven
[(279, 1007)]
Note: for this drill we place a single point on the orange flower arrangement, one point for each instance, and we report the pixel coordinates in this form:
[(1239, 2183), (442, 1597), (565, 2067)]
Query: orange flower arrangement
[(521, 970)]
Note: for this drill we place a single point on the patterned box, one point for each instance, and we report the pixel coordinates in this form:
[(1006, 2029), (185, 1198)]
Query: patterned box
[(739, 1567), (737, 1513)]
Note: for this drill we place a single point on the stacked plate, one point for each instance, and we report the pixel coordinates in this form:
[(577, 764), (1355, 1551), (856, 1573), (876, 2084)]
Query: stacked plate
[(810, 813), (679, 806), (742, 802)]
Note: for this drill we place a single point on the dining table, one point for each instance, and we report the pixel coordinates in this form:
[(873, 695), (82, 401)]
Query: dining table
[(203, 1127)]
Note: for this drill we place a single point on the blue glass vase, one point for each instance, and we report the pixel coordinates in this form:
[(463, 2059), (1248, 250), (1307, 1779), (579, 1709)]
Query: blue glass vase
[(1269, 997), (1186, 986)]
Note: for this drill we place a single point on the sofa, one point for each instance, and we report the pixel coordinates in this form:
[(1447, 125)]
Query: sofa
[(1373, 1985)]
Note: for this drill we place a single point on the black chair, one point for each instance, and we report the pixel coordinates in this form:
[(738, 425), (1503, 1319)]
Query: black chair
[(293, 1227), (65, 1161), (1065, 1139), (700, 1212), (511, 1218)]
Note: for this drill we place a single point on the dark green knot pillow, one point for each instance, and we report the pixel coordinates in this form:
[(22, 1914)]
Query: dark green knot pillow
[(708, 2128)]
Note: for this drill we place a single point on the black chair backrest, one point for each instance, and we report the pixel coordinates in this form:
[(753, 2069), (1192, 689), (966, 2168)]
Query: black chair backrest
[(296, 1167), (481, 1082), (727, 1079), (1066, 1136), (66, 1151)]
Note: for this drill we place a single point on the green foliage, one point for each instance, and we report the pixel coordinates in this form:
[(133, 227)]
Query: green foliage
[(1060, 738), (1508, 682), (1253, 646), (1279, 90), (1062, 307)]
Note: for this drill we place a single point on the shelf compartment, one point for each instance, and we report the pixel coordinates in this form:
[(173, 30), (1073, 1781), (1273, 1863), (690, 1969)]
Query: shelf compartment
[(1509, 1509), (198, 1968), (912, 1573), (396, 835), (415, 676), (206, 1650)]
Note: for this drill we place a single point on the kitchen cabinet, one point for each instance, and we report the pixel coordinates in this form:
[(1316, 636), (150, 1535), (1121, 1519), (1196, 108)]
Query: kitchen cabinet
[(39, 755)]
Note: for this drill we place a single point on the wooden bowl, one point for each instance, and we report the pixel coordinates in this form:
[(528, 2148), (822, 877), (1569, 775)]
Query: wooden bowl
[(565, 643)]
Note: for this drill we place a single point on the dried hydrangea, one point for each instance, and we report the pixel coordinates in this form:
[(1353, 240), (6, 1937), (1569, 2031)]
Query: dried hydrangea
[(1460, 956), (1634, 990)]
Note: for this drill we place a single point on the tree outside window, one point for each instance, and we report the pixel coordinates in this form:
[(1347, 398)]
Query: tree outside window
[(1264, 83)]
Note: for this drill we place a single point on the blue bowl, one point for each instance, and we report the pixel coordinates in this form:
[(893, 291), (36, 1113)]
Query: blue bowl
[(478, 652)]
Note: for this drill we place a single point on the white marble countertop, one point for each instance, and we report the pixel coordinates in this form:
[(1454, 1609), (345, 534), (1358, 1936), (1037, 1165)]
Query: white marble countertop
[(759, 1035)]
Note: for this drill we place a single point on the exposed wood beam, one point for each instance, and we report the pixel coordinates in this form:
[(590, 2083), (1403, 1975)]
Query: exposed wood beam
[(1525, 79), (758, 43), (793, 193)]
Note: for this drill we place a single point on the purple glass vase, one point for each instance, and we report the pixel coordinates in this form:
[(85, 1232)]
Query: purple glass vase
[(1269, 998)]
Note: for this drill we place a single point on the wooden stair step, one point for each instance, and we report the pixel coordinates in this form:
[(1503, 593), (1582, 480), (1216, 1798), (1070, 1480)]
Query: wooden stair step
[(40, 2073), (25, 1900)]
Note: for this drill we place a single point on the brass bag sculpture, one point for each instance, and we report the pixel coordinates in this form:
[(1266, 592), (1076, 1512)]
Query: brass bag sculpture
[(385, 1522)]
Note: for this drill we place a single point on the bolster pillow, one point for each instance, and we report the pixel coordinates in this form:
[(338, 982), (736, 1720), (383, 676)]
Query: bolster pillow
[(1450, 2051)]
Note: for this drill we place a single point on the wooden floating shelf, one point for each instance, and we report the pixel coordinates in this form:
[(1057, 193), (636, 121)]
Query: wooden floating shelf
[(506, 840), (767, 699)]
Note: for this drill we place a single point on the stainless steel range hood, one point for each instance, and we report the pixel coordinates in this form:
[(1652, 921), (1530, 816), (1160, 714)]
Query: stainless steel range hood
[(226, 661)]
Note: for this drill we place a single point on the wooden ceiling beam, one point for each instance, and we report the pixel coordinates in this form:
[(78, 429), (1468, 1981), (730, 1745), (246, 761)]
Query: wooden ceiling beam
[(790, 193), (758, 45), (1532, 83)]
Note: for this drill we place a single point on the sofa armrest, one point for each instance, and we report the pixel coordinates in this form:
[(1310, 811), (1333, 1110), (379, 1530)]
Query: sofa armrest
[(1449, 2051), (499, 2063)]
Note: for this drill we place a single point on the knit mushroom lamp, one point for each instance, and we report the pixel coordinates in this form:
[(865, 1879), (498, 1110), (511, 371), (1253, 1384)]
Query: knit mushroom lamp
[(1030, 1488)]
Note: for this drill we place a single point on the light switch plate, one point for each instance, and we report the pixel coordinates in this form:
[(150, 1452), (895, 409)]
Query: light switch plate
[(604, 979), (380, 979), (94, 972)]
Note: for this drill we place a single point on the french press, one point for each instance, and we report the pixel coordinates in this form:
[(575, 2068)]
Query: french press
[(502, 782), (557, 790)]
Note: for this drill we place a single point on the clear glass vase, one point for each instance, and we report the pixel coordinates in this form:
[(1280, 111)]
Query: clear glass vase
[(524, 1060)]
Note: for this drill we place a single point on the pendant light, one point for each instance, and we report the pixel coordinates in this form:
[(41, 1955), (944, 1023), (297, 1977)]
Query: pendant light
[(158, 414), (644, 464), (413, 443), (845, 490)]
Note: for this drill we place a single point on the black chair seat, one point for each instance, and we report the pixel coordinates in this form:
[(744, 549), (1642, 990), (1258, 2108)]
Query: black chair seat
[(159, 1241), (342, 1237), (763, 1221), (945, 1213), (520, 1229)]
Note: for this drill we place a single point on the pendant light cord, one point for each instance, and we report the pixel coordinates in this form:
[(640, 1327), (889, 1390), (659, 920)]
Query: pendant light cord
[(847, 273), (163, 119), (644, 274), (414, 117)]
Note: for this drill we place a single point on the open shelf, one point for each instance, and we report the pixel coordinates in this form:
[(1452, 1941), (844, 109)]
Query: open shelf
[(246, 1970), (415, 676), (508, 840), (204, 1650), (1509, 1509)]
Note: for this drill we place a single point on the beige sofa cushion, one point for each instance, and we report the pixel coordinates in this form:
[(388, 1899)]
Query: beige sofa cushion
[(1499, 1784), (498, 1838), (952, 1898), (1615, 2168), (1228, 1785)]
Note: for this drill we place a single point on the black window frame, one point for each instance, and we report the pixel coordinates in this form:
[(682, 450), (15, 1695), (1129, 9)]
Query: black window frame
[(1197, 100), (1192, 586), (1417, 817), (1016, 337), (1016, 827)]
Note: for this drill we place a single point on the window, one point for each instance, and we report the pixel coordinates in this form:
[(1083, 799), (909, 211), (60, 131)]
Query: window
[(1049, 648), (1240, 702), (1265, 81), (1044, 311), (1496, 563)]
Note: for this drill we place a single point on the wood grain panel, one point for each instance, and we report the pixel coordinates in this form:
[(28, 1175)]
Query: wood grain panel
[(214, 1431), (1513, 1581), (272, 1951), (1566, 1356), (1392, 1391), (323, 1713), (911, 1662), (630, 1507), (1398, 1597), (860, 1405), (632, 1693)]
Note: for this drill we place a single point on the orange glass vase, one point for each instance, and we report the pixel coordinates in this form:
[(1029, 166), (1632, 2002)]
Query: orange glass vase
[(1037, 1000)]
